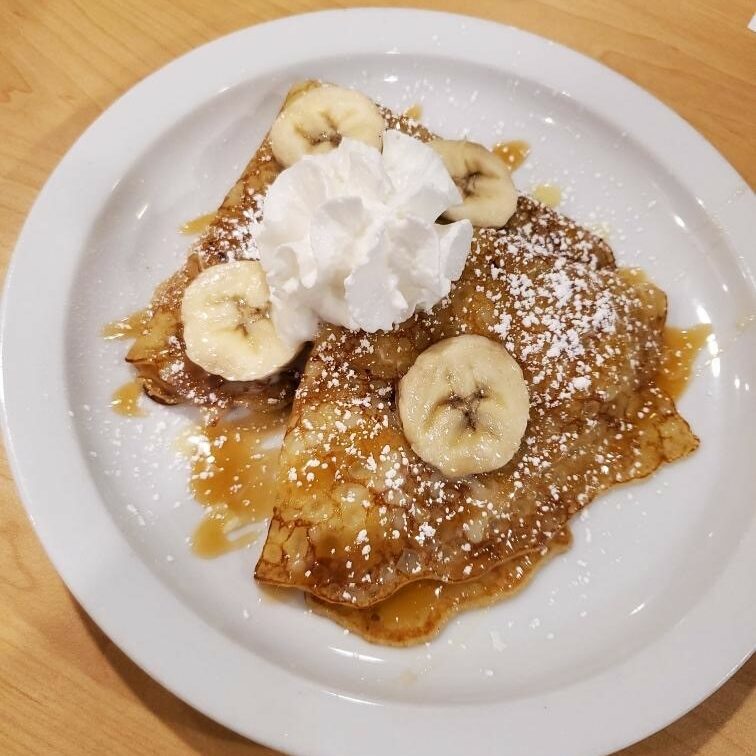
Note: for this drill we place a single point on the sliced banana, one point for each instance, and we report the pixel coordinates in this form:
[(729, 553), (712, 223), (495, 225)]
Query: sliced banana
[(489, 196), (315, 120), (227, 330), (464, 405)]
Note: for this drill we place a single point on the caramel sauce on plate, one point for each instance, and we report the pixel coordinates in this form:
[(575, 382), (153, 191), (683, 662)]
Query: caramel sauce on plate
[(126, 398), (681, 347), (409, 605), (128, 328), (512, 153), (233, 467), (197, 225), (414, 112), (214, 537), (233, 475), (549, 194)]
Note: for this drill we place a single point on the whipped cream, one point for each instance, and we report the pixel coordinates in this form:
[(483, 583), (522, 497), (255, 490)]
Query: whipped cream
[(349, 237)]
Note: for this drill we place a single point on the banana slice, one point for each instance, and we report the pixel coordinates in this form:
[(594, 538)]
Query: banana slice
[(317, 118), (489, 196), (464, 405), (227, 330)]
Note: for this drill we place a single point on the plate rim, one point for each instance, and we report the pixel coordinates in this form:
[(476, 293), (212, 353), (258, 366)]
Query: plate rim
[(109, 611)]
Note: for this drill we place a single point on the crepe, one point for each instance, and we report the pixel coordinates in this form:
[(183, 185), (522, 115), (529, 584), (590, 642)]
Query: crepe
[(159, 353), (418, 612), (361, 515)]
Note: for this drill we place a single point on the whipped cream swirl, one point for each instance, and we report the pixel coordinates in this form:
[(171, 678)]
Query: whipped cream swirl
[(349, 237)]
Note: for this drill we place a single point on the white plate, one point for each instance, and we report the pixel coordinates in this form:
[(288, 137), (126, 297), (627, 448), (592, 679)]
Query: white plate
[(648, 613)]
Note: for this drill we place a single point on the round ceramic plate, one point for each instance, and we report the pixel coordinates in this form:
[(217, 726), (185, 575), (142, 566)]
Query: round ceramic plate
[(650, 610)]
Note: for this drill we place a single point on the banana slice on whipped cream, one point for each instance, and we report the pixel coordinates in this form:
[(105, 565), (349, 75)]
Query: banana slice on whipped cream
[(227, 328), (489, 197), (464, 405), (315, 120)]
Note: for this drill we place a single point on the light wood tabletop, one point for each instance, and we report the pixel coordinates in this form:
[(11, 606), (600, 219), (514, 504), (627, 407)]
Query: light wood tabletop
[(64, 687)]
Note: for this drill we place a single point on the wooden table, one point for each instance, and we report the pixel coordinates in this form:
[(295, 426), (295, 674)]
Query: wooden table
[(64, 687)]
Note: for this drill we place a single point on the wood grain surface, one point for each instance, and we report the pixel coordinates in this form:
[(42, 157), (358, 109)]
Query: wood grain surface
[(64, 687)]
